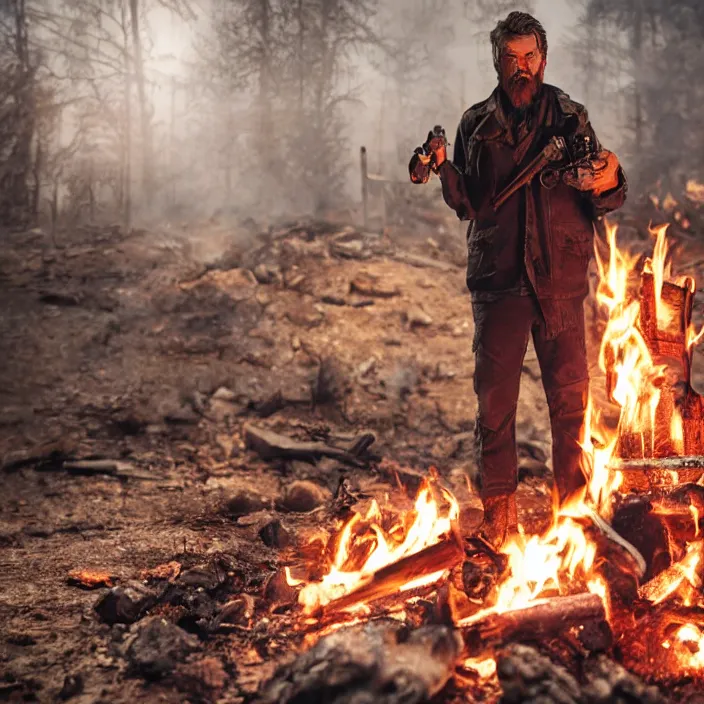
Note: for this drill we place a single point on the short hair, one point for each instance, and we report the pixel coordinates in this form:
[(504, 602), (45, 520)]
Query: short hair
[(517, 24)]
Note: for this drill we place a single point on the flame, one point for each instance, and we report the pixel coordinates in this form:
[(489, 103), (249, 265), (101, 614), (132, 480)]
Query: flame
[(427, 524), (564, 557), (690, 634), (484, 667), (550, 562), (695, 517)]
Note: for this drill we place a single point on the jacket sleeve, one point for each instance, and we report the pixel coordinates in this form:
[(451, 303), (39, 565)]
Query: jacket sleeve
[(455, 180), (608, 200)]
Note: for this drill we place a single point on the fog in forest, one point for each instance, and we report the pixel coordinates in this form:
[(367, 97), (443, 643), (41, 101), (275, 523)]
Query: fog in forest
[(144, 110)]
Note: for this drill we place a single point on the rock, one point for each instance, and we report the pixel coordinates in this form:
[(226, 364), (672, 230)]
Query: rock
[(224, 394), (416, 316), (278, 591), (528, 448), (204, 577), (350, 247), (274, 535), (529, 467), (442, 372), (305, 315), (263, 298), (226, 444), (610, 683), (294, 279), (245, 502), (237, 611), (528, 677), (370, 285), (221, 410), (303, 496), (158, 647), (125, 604), (201, 679), (380, 662), (258, 520), (266, 273), (72, 687)]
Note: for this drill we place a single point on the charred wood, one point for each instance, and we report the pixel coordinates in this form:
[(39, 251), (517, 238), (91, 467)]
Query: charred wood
[(381, 662)]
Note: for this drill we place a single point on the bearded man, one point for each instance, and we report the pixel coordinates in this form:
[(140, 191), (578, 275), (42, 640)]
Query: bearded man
[(526, 262)]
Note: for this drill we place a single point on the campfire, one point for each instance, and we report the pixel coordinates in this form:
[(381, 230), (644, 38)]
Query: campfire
[(621, 563)]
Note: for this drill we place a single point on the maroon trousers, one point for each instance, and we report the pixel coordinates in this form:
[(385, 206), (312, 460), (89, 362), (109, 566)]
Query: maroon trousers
[(502, 327)]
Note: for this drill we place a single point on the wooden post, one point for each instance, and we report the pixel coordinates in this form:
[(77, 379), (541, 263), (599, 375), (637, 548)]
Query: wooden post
[(363, 163)]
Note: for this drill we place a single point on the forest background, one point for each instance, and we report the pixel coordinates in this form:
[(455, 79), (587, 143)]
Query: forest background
[(140, 111)]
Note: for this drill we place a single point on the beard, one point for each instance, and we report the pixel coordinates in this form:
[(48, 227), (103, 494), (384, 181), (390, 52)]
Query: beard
[(522, 88)]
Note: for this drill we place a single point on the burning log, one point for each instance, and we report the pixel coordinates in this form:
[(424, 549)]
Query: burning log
[(683, 574), (650, 473), (409, 570), (554, 615)]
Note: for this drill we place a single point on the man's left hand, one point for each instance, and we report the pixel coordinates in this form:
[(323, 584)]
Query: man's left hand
[(603, 179)]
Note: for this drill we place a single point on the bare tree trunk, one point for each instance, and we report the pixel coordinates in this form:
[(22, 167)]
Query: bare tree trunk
[(301, 60), (267, 130), (147, 147), (36, 171), (15, 197), (127, 173), (638, 59), (172, 145)]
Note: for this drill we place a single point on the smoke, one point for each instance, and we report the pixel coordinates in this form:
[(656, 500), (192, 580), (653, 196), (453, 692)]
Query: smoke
[(257, 109)]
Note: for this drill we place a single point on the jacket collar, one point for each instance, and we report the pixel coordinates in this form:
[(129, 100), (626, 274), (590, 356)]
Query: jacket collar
[(494, 123)]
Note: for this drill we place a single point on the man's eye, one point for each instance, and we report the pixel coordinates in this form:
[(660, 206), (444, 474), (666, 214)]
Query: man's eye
[(531, 55)]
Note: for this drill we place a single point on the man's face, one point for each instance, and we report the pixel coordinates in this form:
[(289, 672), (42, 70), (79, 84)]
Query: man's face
[(522, 69)]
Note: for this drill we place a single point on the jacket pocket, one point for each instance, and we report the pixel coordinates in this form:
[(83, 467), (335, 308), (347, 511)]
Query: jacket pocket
[(572, 248), (481, 254), (573, 237)]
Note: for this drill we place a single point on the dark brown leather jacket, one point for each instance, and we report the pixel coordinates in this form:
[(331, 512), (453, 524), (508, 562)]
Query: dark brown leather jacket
[(540, 239)]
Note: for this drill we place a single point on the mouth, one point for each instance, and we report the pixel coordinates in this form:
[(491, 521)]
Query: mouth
[(520, 78)]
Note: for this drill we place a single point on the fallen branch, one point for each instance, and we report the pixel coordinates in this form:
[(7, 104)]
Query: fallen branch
[(412, 568), (548, 618), (270, 445), (423, 262), (112, 468)]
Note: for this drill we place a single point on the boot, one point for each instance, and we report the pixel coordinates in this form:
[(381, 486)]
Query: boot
[(500, 519)]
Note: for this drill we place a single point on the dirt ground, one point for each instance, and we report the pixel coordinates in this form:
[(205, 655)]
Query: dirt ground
[(155, 349)]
